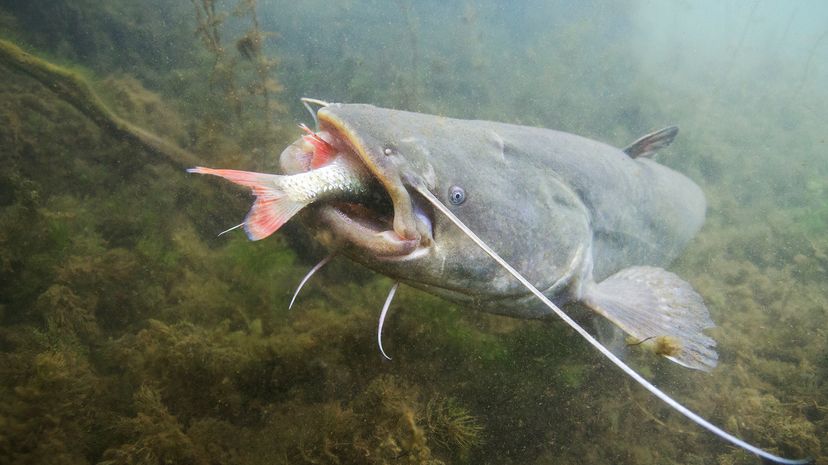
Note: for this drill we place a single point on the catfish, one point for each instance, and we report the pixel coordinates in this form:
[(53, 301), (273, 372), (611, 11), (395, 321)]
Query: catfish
[(509, 219)]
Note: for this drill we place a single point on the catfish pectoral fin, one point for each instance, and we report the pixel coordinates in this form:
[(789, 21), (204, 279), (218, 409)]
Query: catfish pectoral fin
[(660, 310)]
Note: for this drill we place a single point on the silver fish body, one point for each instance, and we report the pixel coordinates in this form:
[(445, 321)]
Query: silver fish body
[(280, 197), (342, 179)]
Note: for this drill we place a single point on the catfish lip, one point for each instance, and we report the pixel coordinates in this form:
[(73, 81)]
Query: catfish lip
[(383, 168), (364, 234), (364, 224)]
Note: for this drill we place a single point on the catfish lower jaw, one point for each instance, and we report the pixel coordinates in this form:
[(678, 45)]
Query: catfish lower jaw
[(374, 225), (384, 164), (366, 234), (367, 228)]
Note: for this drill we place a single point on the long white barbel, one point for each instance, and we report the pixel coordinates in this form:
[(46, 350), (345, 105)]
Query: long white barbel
[(310, 273), (306, 101), (594, 342), (383, 313)]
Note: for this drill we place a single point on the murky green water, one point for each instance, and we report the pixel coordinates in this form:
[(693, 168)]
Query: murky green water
[(130, 333)]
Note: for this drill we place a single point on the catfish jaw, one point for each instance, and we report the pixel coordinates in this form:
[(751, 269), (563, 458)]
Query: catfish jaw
[(365, 226), (387, 166), (410, 153)]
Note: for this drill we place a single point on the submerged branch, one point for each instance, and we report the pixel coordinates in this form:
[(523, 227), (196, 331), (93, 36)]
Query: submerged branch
[(74, 90)]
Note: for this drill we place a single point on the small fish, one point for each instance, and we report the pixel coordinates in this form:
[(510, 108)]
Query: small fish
[(330, 176)]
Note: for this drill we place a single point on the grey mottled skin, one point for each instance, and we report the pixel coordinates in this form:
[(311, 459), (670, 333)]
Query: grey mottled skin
[(564, 210)]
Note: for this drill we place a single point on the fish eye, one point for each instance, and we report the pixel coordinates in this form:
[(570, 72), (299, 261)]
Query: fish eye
[(457, 195)]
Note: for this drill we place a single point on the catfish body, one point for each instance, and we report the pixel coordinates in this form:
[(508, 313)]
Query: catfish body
[(564, 217), (561, 208), (468, 210), (581, 220)]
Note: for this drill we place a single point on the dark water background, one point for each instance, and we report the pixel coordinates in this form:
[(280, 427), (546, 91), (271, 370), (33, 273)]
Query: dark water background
[(129, 333)]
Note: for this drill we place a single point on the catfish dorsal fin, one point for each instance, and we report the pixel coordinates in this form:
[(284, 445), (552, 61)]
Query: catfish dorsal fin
[(647, 145), (674, 404)]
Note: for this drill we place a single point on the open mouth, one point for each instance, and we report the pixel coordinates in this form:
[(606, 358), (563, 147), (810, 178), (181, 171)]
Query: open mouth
[(384, 219)]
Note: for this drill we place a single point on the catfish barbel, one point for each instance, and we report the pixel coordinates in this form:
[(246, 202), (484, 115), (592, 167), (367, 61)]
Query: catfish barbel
[(508, 219)]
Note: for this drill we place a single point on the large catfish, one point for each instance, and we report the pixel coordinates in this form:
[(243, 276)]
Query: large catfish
[(581, 220), (509, 219)]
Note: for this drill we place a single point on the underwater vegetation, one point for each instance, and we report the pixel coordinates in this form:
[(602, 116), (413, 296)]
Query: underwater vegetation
[(131, 334)]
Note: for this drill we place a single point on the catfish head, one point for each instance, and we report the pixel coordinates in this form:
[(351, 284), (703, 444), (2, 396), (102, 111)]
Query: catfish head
[(536, 223)]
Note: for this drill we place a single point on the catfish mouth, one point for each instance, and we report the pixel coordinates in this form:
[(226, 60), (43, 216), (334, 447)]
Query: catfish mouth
[(366, 228), (374, 223)]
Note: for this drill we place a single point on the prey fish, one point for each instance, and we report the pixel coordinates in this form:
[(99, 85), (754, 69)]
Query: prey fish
[(514, 220), (326, 175)]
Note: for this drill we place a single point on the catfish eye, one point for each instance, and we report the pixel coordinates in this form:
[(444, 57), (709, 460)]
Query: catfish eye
[(457, 195)]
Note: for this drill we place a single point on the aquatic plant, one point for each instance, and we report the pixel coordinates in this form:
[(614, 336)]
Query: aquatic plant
[(38, 424), (72, 88), (67, 314), (230, 79), (130, 333), (452, 425)]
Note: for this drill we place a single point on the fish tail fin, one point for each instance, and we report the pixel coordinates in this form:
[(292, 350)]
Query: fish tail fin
[(272, 208), (660, 310)]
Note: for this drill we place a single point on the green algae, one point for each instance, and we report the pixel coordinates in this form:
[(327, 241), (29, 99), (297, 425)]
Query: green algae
[(131, 334)]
